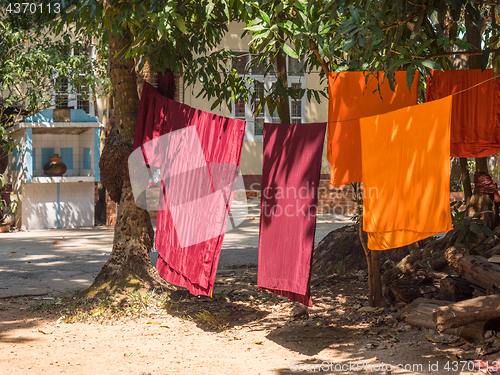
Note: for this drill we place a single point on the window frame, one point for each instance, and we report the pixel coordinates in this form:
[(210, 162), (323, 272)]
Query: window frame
[(73, 96), (267, 81)]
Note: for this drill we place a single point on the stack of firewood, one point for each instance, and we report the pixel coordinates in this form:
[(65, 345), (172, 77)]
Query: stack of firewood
[(467, 304)]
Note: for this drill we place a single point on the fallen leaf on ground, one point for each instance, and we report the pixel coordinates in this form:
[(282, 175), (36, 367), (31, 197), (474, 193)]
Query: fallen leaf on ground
[(367, 309), (431, 338), (457, 343), (257, 342), (44, 332), (153, 323), (164, 326)]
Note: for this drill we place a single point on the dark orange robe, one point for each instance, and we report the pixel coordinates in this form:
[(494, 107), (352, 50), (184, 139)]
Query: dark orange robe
[(352, 98)]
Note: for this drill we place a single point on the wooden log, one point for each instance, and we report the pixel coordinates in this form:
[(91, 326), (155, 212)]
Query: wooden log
[(411, 287), (403, 313), (466, 312), (476, 269), (493, 251), (422, 316), (455, 289)]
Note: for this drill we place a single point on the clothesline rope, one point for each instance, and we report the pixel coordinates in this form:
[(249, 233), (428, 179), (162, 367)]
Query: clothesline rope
[(455, 93)]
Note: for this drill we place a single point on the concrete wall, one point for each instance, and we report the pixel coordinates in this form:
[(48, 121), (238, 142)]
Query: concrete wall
[(63, 205)]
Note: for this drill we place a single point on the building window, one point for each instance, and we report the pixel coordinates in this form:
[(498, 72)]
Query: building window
[(296, 107), (247, 65), (76, 97), (83, 98), (61, 92)]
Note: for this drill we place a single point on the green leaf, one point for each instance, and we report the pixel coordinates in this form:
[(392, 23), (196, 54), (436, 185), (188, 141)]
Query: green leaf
[(485, 56), (181, 25), (289, 51), (265, 17), (486, 230), (424, 45), (397, 63), (376, 30), (475, 228), (431, 64), (462, 235), (216, 103), (410, 75)]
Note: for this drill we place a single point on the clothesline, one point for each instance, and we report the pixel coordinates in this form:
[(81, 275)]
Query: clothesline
[(455, 93)]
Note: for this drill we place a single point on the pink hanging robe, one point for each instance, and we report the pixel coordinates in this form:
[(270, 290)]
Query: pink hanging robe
[(199, 156)]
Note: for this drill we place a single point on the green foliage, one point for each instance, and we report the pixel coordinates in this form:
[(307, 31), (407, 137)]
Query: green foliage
[(456, 213), (30, 58), (470, 227), (216, 320), (185, 36)]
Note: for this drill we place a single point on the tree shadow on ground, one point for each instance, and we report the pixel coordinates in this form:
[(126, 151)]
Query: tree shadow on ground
[(18, 314)]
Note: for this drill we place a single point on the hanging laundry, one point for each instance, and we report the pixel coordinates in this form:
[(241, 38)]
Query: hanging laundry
[(475, 120), (484, 183), (406, 174), (289, 197), (146, 130), (351, 97), (199, 156)]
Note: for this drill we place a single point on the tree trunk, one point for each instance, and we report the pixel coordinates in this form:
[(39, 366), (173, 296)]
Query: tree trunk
[(478, 202), (464, 171), (282, 77), (128, 264), (377, 278)]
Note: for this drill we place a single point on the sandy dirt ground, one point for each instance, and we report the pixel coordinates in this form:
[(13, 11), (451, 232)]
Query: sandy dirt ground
[(241, 330)]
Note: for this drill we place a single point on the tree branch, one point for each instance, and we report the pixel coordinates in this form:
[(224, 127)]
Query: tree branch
[(409, 18), (318, 56), (444, 54)]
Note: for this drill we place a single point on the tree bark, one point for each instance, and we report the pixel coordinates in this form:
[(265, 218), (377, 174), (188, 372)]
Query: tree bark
[(422, 316), (455, 289), (464, 171), (478, 202), (282, 77), (128, 264), (466, 312), (476, 269), (377, 278), (368, 254)]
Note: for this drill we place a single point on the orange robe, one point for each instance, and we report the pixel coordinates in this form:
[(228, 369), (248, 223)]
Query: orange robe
[(406, 174), (352, 98), (475, 120)]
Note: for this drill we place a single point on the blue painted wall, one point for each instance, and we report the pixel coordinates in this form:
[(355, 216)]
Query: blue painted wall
[(29, 155), (97, 154), (67, 156), (46, 153), (87, 158)]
